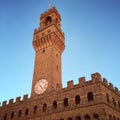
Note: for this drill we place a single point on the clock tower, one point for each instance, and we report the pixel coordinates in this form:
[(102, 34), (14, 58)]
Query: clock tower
[(48, 43)]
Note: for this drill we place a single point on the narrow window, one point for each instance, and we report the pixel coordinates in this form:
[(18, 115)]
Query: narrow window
[(12, 115), (69, 118), (55, 104), (5, 116), (65, 102), (107, 98), (44, 107), (27, 111), (90, 96), (110, 117), (35, 110), (20, 113), (114, 103), (114, 118), (96, 117), (119, 104), (87, 117), (78, 118), (77, 99)]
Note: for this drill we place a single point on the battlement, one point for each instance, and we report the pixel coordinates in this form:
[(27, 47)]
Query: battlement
[(95, 78), (17, 100), (49, 11)]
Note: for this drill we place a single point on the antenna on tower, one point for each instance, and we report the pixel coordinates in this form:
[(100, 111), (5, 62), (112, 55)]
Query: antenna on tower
[(50, 5)]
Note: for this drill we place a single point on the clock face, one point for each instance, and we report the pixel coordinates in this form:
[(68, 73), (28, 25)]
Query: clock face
[(41, 86)]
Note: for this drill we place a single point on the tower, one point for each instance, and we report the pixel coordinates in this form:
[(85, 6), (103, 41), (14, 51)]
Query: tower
[(48, 43)]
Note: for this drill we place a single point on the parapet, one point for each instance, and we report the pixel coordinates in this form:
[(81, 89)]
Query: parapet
[(18, 100), (95, 78)]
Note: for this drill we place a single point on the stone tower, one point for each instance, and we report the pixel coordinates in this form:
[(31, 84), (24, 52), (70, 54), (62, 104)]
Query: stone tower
[(48, 43)]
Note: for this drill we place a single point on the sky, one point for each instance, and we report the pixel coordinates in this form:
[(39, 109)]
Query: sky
[(92, 41)]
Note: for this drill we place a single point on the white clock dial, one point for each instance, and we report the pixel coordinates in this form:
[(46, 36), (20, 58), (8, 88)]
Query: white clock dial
[(41, 86)]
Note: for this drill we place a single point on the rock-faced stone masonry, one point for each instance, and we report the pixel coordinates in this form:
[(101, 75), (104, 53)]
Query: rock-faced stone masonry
[(94, 99)]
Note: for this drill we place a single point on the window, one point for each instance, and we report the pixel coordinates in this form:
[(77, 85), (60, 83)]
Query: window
[(20, 113), (77, 99), (96, 117), (87, 117), (90, 96), (12, 115), (44, 107), (78, 118), (114, 118), (119, 104), (110, 117), (107, 98), (65, 102), (69, 118), (55, 104), (35, 110), (48, 20), (5, 116), (114, 103), (27, 111)]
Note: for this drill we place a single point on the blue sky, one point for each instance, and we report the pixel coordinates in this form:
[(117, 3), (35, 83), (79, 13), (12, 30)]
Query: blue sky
[(92, 39)]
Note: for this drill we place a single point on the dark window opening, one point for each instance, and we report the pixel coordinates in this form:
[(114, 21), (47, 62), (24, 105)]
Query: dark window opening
[(44, 107), (12, 115), (90, 96), (5, 116), (77, 99), (20, 113), (69, 118), (27, 111), (48, 20), (96, 117), (65, 102), (107, 98), (54, 104), (87, 117), (78, 118), (114, 103), (35, 110)]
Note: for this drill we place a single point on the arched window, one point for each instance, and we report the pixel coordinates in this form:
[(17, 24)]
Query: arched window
[(35, 110), (48, 20), (69, 118), (87, 117), (55, 104), (78, 118), (65, 102), (114, 103), (96, 117), (5, 116), (90, 96), (44, 107), (114, 118), (119, 104), (20, 113), (61, 119), (26, 111), (108, 100), (77, 99), (110, 117), (12, 115)]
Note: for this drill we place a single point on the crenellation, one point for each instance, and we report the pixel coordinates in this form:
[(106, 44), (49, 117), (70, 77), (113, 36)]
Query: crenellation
[(105, 81), (18, 99), (25, 97), (4, 103), (111, 86), (11, 101), (82, 80), (70, 83), (116, 90), (96, 77)]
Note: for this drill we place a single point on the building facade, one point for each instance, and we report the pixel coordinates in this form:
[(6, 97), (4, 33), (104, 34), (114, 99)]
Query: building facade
[(95, 99)]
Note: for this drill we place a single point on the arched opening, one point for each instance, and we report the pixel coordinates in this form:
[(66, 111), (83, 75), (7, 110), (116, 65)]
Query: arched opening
[(78, 118), (44, 107), (90, 96), (26, 111), (114, 103), (114, 118), (96, 117), (35, 110), (20, 113), (69, 118), (65, 102), (77, 99), (110, 117), (107, 98), (12, 115), (5, 116), (55, 104), (87, 117), (48, 20)]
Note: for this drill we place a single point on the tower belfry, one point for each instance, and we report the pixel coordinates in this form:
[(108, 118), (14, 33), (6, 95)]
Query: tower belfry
[(48, 43)]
